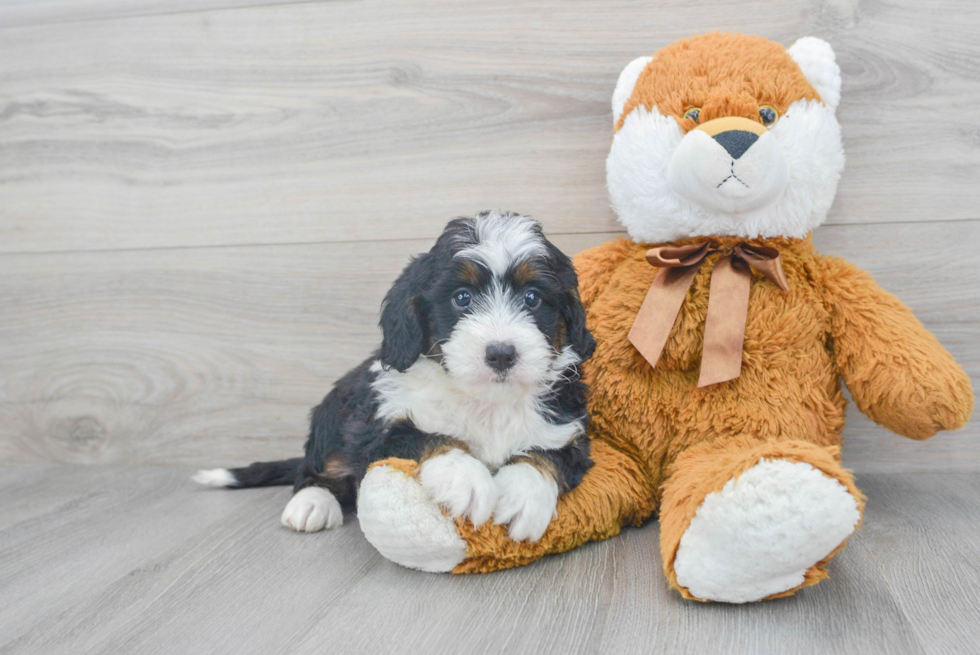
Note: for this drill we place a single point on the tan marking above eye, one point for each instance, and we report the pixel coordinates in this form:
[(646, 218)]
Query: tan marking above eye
[(471, 274), (524, 274)]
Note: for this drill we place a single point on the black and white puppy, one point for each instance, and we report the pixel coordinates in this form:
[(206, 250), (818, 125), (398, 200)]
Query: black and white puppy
[(477, 378)]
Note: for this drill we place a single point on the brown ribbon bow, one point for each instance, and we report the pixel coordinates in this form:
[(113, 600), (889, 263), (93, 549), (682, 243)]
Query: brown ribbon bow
[(728, 302)]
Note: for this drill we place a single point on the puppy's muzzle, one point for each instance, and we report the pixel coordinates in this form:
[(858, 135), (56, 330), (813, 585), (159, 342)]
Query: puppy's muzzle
[(501, 356)]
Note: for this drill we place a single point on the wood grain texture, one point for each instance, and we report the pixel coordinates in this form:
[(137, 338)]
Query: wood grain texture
[(343, 120), (20, 13), (156, 565), (912, 517), (215, 355)]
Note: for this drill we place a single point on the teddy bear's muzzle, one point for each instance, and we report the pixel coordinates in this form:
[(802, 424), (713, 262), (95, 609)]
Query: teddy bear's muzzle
[(730, 165)]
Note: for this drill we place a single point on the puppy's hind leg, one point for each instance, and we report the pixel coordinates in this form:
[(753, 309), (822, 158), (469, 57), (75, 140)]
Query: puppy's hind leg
[(316, 503), (323, 481)]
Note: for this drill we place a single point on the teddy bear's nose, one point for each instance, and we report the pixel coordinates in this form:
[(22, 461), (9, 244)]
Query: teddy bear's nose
[(736, 142)]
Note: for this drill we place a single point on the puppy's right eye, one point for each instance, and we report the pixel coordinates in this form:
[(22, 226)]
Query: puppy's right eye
[(462, 299), (693, 114)]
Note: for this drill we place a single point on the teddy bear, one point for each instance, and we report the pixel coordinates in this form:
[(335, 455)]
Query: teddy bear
[(722, 340)]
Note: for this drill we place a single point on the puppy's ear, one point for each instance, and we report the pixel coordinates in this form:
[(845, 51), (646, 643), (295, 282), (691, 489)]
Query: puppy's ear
[(402, 322), (572, 311), (582, 340)]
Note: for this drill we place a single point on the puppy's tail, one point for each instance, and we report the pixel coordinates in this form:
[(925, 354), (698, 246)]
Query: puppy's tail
[(259, 474)]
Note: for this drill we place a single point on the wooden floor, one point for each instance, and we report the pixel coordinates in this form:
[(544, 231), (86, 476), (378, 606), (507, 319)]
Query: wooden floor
[(202, 203), (138, 560)]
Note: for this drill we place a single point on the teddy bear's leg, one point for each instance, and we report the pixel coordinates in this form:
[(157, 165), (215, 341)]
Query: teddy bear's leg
[(401, 521), (399, 518), (743, 520)]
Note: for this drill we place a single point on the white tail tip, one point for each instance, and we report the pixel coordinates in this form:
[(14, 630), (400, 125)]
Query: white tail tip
[(215, 478)]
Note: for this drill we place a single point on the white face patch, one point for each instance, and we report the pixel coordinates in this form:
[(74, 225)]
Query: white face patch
[(659, 178), (498, 318), (503, 241)]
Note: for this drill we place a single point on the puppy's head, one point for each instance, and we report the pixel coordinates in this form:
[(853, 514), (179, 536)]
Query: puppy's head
[(726, 134), (494, 302)]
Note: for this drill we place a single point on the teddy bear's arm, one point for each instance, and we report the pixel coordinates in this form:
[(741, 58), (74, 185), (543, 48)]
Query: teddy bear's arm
[(596, 266), (617, 491), (897, 372)]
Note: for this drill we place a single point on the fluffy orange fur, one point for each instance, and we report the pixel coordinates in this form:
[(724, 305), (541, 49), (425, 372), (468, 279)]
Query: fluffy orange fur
[(722, 74)]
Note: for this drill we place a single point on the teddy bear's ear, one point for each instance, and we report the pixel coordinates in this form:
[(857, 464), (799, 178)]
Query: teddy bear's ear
[(625, 84), (816, 59)]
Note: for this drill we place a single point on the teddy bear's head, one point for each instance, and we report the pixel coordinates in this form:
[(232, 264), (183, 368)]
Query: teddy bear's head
[(726, 135)]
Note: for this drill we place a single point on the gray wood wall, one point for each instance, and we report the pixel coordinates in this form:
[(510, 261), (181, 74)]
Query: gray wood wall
[(203, 202)]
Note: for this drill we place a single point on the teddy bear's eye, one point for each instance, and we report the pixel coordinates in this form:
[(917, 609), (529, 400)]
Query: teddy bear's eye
[(768, 115), (694, 113)]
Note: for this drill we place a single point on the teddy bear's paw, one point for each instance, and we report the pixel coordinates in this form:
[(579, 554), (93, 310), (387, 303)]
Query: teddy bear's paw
[(761, 533), (461, 484), (526, 502), (400, 519)]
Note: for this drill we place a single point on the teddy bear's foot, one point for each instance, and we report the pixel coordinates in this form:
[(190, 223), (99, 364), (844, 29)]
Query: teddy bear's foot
[(399, 518), (762, 532)]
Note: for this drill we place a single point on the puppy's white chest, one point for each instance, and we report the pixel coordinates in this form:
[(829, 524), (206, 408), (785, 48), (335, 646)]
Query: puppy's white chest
[(496, 425)]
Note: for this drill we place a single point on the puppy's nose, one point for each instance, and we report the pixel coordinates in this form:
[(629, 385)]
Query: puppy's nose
[(501, 356), (736, 142)]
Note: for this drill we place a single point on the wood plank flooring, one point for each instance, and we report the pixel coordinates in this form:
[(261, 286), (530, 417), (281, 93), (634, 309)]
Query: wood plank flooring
[(123, 560)]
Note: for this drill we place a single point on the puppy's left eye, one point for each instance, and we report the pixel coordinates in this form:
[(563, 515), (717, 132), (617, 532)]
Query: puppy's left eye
[(532, 300), (462, 299), (768, 115)]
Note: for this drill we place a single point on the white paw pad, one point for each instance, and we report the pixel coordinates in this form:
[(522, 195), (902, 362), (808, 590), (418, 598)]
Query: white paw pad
[(761, 533), (400, 520), (526, 501), (461, 484), (312, 509)]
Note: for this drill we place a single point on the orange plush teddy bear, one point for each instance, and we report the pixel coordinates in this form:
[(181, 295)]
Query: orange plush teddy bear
[(722, 337)]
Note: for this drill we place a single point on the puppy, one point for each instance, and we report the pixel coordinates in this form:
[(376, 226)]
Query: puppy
[(477, 379)]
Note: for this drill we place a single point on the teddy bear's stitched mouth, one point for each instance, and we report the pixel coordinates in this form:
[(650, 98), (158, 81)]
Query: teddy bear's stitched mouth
[(732, 176)]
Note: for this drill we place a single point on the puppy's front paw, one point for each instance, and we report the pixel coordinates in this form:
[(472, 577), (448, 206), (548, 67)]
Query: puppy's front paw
[(526, 501), (312, 509), (461, 484)]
